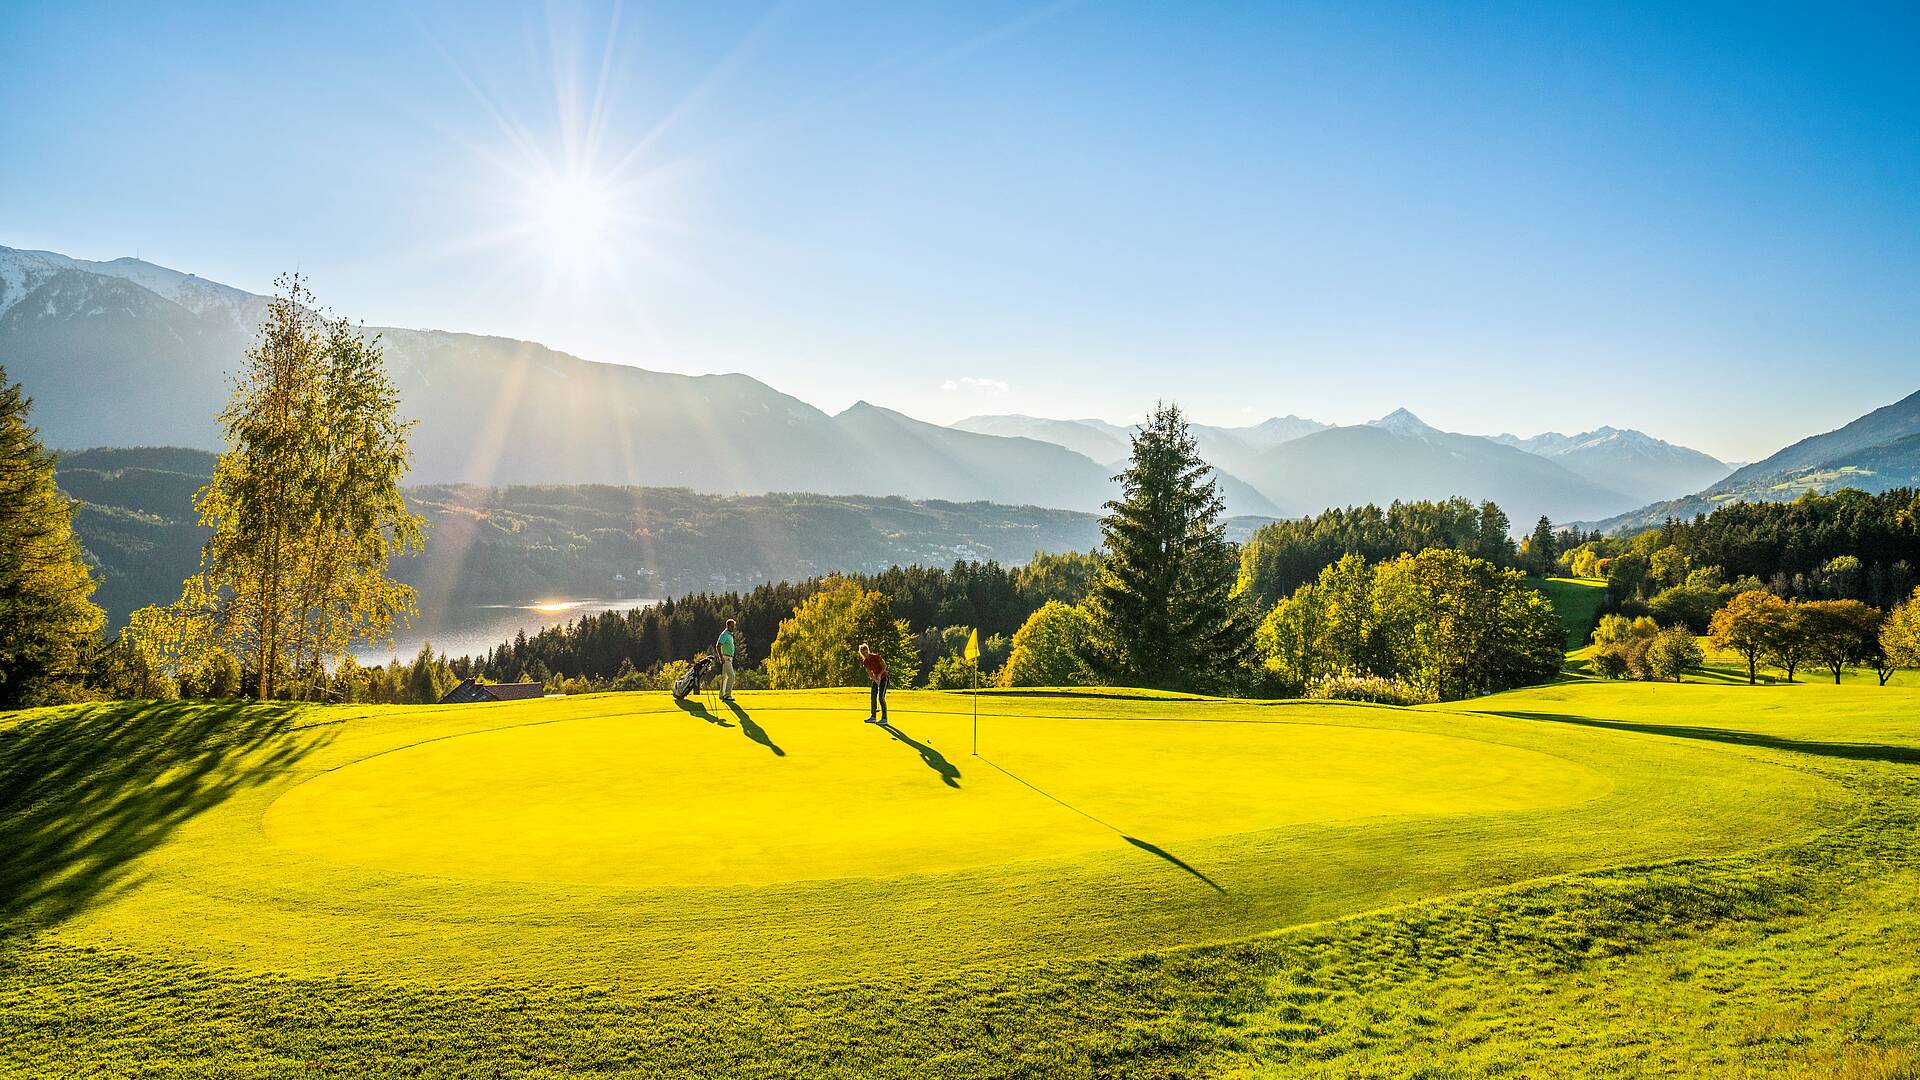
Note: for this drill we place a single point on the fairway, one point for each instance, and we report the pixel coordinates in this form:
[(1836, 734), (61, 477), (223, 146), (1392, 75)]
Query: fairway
[(619, 884)]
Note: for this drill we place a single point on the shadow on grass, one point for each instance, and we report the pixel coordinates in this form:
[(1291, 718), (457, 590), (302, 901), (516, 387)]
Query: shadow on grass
[(695, 708), (1159, 852), (1152, 849), (754, 731), (1905, 755), (85, 792), (949, 773)]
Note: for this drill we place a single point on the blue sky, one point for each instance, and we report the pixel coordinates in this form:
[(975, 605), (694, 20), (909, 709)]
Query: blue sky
[(1703, 223)]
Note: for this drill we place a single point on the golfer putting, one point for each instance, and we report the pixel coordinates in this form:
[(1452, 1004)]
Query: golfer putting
[(876, 666)]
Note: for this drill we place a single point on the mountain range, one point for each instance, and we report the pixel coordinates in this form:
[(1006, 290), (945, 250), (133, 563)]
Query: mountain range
[(1304, 466), (1879, 451), (125, 352)]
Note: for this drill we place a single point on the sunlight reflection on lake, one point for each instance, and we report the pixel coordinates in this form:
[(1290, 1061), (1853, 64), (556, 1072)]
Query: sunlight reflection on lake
[(471, 631)]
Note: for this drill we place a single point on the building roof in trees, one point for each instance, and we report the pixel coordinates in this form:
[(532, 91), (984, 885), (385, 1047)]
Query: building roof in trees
[(471, 691)]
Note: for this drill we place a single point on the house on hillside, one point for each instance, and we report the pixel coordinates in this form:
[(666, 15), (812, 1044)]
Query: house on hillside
[(471, 691)]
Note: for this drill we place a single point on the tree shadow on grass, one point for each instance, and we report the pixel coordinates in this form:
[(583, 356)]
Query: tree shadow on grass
[(695, 708), (1905, 755), (85, 792), (754, 731), (949, 773)]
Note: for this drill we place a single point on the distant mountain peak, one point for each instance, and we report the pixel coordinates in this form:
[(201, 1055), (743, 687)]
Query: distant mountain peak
[(1402, 422)]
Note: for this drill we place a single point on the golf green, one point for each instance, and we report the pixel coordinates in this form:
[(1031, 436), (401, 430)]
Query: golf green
[(652, 800), (622, 839)]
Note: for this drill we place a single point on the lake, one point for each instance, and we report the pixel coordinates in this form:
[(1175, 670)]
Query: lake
[(471, 631)]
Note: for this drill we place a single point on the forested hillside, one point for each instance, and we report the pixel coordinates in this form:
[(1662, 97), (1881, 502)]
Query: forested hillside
[(513, 545)]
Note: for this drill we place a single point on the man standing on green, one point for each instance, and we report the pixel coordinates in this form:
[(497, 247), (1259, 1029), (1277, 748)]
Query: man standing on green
[(725, 647), (876, 666)]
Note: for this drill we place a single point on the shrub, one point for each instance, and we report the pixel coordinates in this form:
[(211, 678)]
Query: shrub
[(1609, 662), (1371, 689), (953, 672)]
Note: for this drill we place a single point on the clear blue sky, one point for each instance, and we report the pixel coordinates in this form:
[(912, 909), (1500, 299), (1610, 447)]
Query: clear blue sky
[(1704, 223)]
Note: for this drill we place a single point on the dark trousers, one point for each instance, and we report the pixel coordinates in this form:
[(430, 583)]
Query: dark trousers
[(877, 698)]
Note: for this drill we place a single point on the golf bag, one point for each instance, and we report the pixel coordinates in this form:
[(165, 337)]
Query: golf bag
[(689, 683)]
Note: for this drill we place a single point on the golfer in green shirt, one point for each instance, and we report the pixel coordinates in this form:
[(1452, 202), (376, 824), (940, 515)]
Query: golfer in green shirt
[(724, 647)]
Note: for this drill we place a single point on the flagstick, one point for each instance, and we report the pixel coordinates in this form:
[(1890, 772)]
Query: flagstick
[(976, 708)]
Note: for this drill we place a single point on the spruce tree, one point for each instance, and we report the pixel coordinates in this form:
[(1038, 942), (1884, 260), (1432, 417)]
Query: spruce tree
[(1162, 608), (1542, 548), (47, 622)]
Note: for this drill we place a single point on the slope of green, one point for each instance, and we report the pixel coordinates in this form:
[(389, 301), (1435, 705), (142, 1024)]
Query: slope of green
[(1577, 601), (1661, 880)]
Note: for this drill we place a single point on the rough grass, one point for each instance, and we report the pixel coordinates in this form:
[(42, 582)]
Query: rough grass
[(1739, 903)]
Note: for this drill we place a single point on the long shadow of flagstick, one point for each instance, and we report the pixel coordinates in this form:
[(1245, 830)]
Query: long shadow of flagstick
[(1155, 850), (933, 759)]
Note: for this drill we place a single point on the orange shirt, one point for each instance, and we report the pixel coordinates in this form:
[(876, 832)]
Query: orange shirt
[(876, 665)]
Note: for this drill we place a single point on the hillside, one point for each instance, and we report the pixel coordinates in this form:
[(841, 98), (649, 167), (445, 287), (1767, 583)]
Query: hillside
[(108, 360), (516, 544), (1877, 452)]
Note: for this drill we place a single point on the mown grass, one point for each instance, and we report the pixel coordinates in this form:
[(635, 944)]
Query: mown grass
[(1577, 601), (1783, 944)]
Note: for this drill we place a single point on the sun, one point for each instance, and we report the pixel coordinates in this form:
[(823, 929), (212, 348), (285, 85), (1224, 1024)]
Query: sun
[(571, 216)]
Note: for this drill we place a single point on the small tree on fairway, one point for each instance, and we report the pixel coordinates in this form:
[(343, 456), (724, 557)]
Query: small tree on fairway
[(1900, 638), (1746, 625), (1839, 633), (47, 622), (1786, 646), (1162, 608), (1672, 652)]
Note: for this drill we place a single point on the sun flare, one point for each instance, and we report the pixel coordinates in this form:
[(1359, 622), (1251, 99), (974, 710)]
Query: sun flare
[(570, 215)]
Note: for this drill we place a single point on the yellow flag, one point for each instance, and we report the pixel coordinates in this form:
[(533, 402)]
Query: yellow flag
[(972, 652)]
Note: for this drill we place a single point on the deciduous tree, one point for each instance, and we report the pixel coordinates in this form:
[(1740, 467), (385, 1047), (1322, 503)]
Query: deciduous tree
[(1839, 633), (1746, 625), (1673, 652), (1048, 647), (304, 506), (819, 645), (1900, 637)]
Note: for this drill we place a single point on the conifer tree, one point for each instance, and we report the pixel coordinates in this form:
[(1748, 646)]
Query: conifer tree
[(1543, 550), (1162, 608), (47, 621)]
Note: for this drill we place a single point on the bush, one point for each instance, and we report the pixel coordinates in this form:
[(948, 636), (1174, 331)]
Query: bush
[(953, 672), (1609, 662), (1371, 689)]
